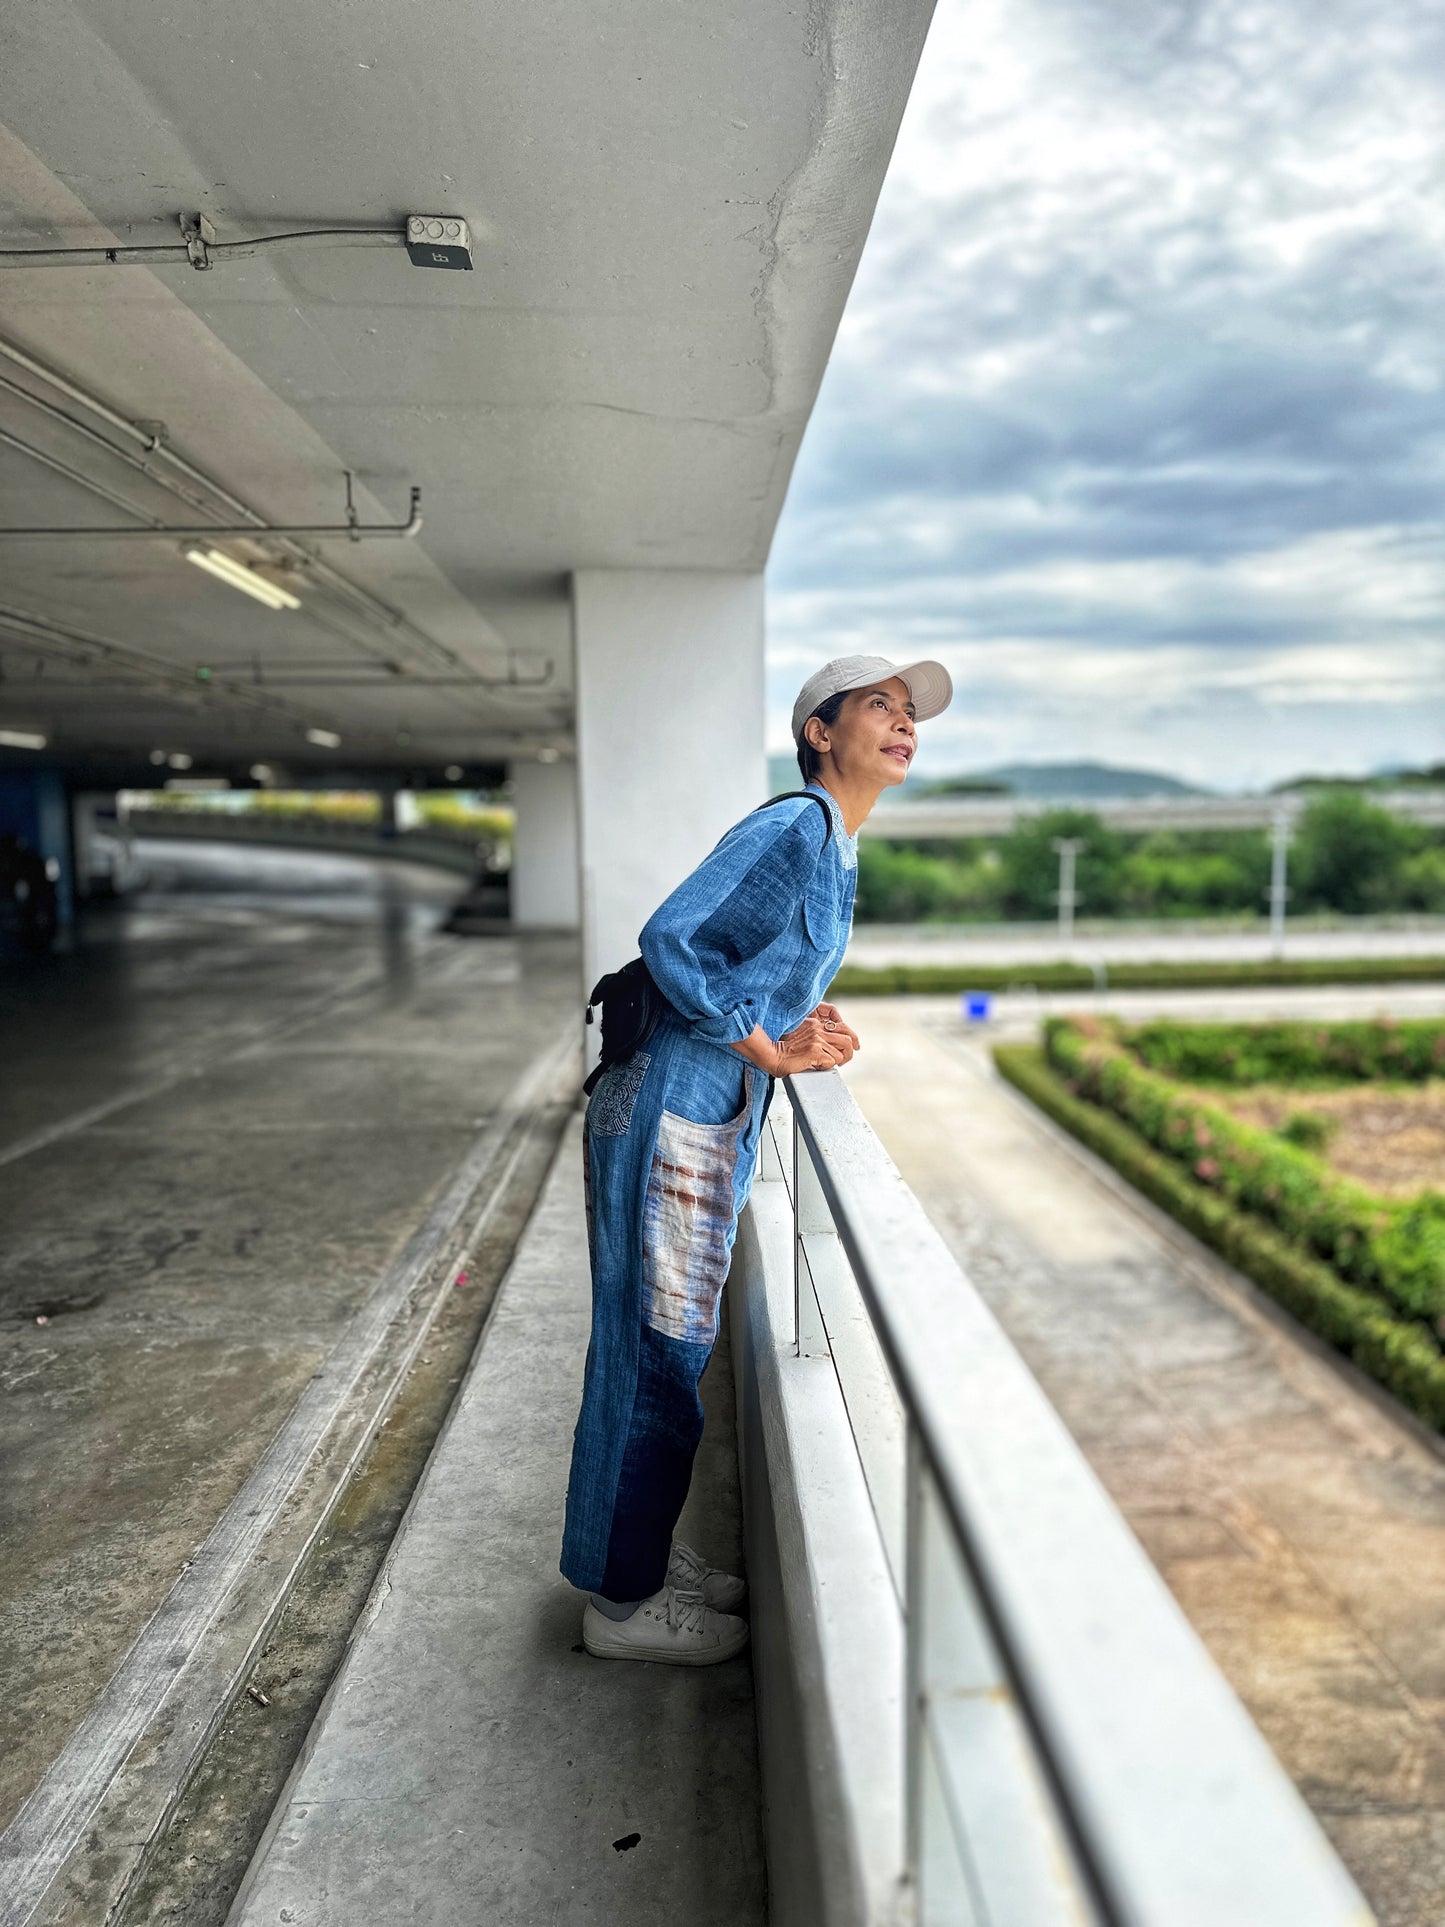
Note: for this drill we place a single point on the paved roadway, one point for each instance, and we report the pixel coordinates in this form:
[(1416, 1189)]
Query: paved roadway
[(221, 1120), (1298, 1522)]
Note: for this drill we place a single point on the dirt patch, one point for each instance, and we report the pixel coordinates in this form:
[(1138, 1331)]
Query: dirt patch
[(1390, 1140)]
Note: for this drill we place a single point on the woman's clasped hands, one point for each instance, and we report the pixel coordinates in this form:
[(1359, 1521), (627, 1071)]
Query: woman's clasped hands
[(819, 1043)]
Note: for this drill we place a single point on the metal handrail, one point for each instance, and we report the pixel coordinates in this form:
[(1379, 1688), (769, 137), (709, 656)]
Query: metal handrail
[(1165, 1797)]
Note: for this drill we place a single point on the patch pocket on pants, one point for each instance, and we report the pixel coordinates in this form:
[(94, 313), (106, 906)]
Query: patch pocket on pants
[(687, 1218), (609, 1109)]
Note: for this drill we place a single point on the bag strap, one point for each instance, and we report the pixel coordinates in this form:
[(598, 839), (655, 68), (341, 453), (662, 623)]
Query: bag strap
[(827, 813), (628, 976)]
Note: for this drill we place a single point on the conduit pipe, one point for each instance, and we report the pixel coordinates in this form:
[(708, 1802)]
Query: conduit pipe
[(175, 253), (320, 615), (54, 463), (384, 668), (40, 633), (150, 437), (355, 531)]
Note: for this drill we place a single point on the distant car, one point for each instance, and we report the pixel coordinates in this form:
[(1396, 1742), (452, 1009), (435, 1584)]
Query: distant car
[(28, 904)]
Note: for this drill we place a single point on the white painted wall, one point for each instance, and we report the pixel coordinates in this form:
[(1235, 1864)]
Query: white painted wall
[(544, 888), (670, 736)]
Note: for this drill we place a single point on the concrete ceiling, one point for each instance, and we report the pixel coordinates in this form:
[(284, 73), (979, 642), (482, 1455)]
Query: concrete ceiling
[(667, 205)]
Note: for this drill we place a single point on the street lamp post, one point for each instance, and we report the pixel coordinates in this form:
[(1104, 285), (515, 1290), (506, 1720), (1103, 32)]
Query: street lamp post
[(1068, 848), (1278, 885)]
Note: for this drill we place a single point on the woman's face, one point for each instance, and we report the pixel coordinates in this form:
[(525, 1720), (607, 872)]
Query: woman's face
[(875, 737)]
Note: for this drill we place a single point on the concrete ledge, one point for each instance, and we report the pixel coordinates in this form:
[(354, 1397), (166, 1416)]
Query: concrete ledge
[(827, 1630)]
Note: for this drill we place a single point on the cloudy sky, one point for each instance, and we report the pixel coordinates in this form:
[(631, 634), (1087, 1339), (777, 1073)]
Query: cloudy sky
[(1136, 416)]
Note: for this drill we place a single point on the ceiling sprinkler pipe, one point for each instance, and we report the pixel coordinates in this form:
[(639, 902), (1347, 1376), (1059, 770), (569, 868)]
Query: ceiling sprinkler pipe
[(352, 531)]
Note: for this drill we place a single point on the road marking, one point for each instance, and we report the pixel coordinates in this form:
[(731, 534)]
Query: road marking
[(52, 1822)]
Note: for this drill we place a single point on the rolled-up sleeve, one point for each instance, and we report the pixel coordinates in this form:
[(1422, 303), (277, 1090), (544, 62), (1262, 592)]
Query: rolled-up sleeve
[(739, 900)]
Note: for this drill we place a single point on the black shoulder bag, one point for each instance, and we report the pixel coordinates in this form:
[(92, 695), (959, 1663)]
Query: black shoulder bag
[(631, 998)]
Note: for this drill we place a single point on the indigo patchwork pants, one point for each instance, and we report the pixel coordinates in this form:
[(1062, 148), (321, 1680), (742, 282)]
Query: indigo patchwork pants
[(670, 1142)]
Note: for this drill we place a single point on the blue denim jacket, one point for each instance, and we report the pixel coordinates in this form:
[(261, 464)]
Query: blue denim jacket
[(756, 933)]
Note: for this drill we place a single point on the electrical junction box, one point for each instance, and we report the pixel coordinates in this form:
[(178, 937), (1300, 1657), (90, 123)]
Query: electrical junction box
[(438, 241)]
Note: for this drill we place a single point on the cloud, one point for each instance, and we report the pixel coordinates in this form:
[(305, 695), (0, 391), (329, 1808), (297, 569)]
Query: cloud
[(1137, 414)]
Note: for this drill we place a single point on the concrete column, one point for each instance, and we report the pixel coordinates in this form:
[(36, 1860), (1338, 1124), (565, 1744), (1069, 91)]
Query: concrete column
[(670, 737), (544, 893), (387, 825)]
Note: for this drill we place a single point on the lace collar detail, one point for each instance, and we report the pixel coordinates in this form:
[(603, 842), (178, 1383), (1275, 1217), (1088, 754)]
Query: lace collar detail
[(847, 845)]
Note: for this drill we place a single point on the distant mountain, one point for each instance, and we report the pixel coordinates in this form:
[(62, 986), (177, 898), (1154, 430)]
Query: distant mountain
[(1066, 781), (783, 775)]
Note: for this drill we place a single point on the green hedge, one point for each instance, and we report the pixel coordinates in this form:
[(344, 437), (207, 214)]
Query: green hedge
[(889, 980), (1396, 1249), (1399, 1353), (1384, 1051)]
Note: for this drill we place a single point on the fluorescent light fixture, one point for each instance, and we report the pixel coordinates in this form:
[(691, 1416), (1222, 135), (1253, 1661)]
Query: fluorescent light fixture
[(225, 568), (21, 739), (178, 759), (323, 738)]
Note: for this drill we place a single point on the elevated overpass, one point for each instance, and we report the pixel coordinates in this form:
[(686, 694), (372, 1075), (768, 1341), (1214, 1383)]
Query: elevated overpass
[(959, 816)]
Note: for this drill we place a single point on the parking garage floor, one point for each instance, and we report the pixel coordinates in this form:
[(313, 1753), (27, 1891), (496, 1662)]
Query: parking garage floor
[(223, 1118)]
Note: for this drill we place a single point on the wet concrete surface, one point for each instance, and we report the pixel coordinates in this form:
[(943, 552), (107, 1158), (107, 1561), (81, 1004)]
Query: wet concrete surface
[(191, 1877), (1298, 1522), (221, 1118)]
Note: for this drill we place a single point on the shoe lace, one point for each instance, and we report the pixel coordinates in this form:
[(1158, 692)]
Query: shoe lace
[(685, 1610), (686, 1563)]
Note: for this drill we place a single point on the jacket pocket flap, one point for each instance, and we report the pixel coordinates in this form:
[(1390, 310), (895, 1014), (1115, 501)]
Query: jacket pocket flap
[(820, 917)]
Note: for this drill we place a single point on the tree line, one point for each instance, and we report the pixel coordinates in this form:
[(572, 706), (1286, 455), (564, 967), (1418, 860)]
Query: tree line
[(1346, 854)]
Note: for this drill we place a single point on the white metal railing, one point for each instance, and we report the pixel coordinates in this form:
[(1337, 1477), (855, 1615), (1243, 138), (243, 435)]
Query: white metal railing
[(1073, 1753)]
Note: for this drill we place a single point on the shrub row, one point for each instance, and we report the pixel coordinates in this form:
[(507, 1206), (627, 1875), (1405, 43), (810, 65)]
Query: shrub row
[(1287, 1053), (889, 980), (1394, 1249), (1400, 1354)]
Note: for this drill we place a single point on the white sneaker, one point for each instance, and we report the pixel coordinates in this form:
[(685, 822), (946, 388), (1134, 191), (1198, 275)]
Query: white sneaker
[(675, 1626), (722, 1590)]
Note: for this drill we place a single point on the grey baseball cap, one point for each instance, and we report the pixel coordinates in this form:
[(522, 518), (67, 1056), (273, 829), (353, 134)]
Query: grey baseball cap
[(929, 684)]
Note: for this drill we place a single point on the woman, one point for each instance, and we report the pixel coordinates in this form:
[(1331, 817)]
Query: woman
[(742, 950)]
